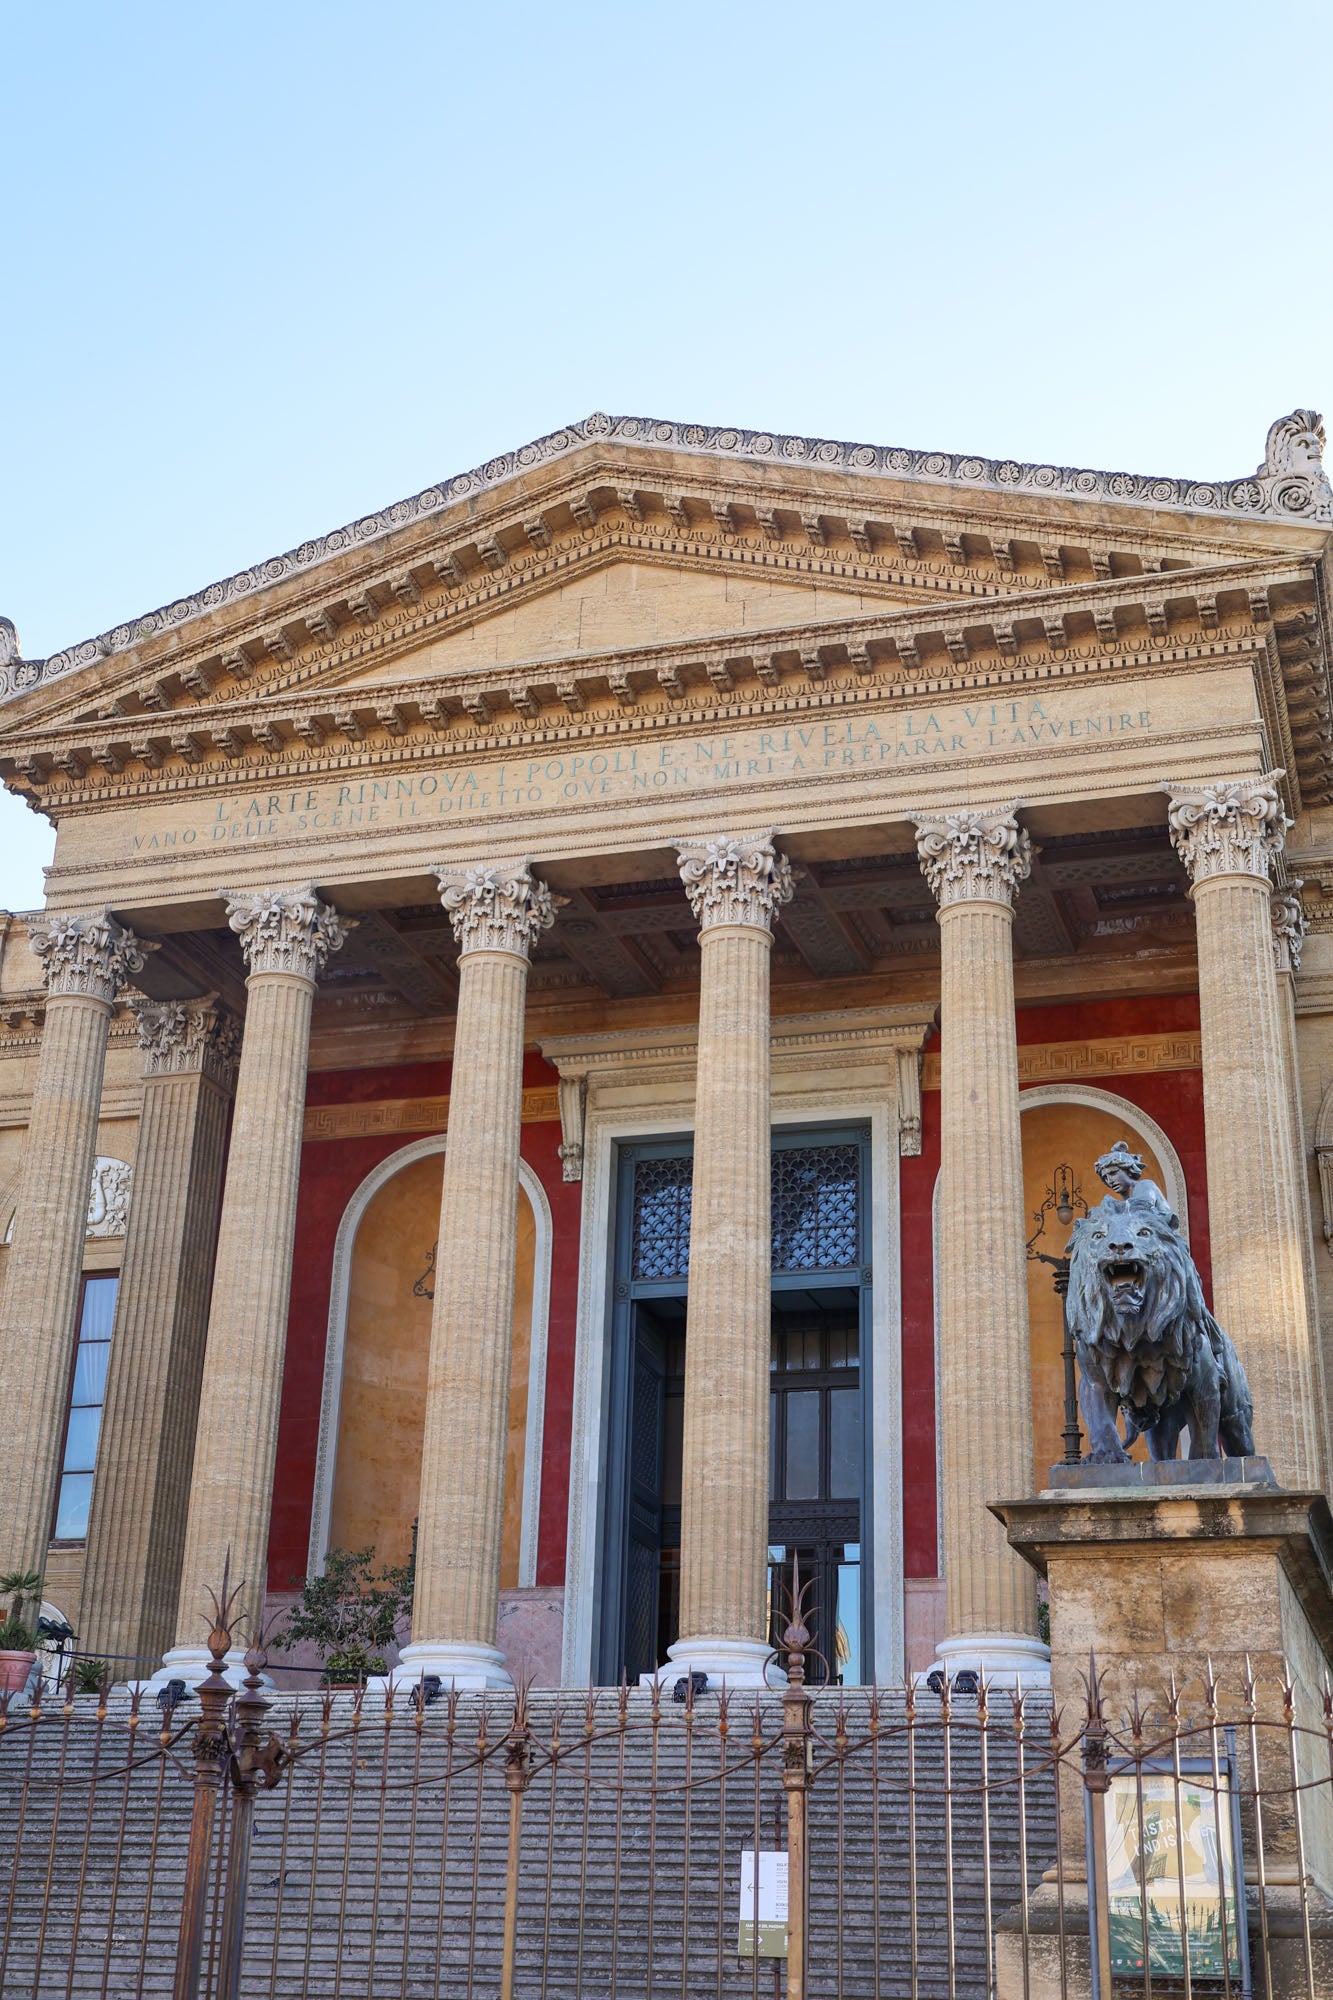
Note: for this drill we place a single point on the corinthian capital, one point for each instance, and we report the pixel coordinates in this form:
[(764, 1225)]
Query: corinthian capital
[(179, 1037), (1234, 828), (504, 908), (1290, 924), (287, 930), (740, 881), (91, 955), (973, 855)]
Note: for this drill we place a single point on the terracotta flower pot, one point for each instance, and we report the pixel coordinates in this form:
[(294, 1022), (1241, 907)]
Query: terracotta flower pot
[(14, 1671)]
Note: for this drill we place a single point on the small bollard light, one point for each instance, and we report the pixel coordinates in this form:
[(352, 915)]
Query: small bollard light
[(428, 1689), (170, 1697), (695, 1684)]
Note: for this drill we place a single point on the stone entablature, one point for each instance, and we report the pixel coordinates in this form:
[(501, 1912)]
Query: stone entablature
[(1289, 485)]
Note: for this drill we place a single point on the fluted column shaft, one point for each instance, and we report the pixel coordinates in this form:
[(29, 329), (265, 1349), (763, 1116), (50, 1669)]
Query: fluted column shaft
[(136, 1529), (1227, 835), (737, 888), (497, 914), (975, 861), (286, 936), (85, 960)]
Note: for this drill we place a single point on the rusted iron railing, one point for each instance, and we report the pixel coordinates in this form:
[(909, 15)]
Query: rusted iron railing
[(932, 1844)]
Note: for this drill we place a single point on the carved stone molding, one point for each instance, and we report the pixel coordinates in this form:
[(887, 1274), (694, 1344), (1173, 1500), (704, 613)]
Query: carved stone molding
[(180, 1036), (573, 1094), (92, 955), (1290, 925), (287, 930), (1289, 485), (744, 880), (407, 1114), (1115, 1055), (1323, 1152), (501, 908), (109, 1196), (1234, 828), (973, 856)]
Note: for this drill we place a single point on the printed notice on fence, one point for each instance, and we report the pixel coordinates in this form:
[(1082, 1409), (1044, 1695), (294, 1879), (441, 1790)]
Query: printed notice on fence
[(763, 1905)]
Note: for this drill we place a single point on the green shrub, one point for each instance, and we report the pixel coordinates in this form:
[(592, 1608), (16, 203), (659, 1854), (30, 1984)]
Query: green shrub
[(351, 1666), (350, 1611), (16, 1637), (89, 1676)]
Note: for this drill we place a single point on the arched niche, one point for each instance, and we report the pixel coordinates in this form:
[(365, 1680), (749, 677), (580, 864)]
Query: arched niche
[(372, 1412), (1073, 1125)]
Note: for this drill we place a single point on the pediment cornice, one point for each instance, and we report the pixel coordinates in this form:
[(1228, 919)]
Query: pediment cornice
[(750, 486), (946, 647)]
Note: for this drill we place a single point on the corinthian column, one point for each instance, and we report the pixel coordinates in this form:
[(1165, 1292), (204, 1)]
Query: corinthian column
[(1227, 835), (136, 1530), (736, 889), (974, 861), (286, 935), (85, 961), (497, 914)]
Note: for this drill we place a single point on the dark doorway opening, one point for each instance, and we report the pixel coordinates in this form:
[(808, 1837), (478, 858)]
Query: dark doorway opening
[(819, 1410)]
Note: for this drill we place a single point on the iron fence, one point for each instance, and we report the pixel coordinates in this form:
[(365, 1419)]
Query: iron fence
[(912, 1844)]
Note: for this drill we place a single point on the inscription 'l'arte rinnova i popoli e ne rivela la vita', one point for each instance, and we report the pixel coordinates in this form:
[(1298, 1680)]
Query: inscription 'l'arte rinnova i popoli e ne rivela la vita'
[(695, 763)]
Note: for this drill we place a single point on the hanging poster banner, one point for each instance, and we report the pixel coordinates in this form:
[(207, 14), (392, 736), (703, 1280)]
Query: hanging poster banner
[(1149, 1844), (763, 1905)]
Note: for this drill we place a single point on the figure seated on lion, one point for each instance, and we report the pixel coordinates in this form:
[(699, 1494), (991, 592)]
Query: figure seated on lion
[(1146, 1343)]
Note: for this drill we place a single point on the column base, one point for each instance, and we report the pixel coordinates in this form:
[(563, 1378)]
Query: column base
[(1007, 1659), (192, 1664), (735, 1663), (456, 1664)]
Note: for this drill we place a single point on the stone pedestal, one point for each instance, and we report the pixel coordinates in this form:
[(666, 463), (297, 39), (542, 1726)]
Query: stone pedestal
[(737, 888), (497, 914), (975, 862), (1183, 1570)]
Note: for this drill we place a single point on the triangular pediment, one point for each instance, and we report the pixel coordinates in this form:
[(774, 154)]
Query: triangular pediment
[(625, 604)]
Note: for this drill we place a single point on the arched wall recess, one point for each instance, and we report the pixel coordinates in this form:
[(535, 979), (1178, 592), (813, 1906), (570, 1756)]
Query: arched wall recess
[(326, 1458)]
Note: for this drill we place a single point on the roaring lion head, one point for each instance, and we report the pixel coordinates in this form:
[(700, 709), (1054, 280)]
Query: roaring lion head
[(1147, 1345), (1133, 1286)]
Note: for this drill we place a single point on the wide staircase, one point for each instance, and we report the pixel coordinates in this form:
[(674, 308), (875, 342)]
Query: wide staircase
[(380, 1861)]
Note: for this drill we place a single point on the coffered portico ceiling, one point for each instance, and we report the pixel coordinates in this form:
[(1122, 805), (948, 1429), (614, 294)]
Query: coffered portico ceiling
[(625, 586)]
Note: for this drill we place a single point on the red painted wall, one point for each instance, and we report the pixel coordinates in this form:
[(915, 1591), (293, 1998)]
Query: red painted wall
[(1175, 1100), (331, 1172)]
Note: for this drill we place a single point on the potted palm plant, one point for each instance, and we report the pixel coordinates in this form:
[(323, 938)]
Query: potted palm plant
[(18, 1637)]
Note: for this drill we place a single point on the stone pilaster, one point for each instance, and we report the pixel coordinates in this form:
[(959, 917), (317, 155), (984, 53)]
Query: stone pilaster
[(1227, 835), (85, 962), (975, 861), (737, 889), (136, 1530), (497, 914), (286, 935)]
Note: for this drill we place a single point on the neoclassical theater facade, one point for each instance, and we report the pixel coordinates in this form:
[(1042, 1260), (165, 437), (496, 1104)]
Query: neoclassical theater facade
[(573, 1015)]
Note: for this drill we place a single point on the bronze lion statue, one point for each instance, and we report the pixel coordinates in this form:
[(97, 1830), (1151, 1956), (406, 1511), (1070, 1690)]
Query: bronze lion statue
[(1146, 1343)]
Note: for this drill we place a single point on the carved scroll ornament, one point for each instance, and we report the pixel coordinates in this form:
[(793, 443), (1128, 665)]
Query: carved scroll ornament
[(1290, 925), (504, 908), (735, 881), (1233, 828), (93, 955), (180, 1036), (287, 930), (973, 856)]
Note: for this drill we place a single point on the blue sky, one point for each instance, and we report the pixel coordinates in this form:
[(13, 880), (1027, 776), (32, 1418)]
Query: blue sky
[(271, 266)]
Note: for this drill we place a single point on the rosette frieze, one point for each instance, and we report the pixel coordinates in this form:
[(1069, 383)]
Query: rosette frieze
[(973, 855), (742, 880), (287, 930), (497, 908), (89, 955), (1232, 828)]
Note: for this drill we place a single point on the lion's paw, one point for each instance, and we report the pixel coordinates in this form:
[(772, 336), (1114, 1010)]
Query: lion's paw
[(1106, 1454)]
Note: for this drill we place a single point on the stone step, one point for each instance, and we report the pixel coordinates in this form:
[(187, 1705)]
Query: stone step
[(362, 1884)]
